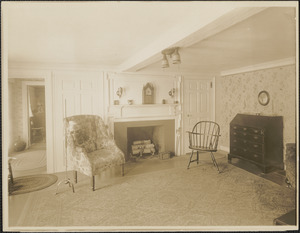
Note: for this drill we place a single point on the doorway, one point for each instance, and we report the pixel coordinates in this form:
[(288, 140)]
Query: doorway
[(26, 114), (32, 160)]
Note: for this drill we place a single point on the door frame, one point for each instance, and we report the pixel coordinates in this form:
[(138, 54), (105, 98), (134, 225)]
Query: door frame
[(26, 126), (213, 101), (46, 77)]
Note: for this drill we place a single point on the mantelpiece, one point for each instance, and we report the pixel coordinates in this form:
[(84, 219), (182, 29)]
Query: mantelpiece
[(144, 110), (148, 112), (165, 107)]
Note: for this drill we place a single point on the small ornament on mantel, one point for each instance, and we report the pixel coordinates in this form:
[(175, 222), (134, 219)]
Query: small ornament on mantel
[(148, 94)]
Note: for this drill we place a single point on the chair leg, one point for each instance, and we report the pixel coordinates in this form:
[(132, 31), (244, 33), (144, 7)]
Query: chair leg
[(197, 157), (10, 173), (190, 159), (214, 161), (122, 167), (93, 183), (11, 179), (75, 176)]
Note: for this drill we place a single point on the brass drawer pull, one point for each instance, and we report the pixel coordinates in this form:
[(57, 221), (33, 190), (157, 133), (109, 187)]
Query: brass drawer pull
[(255, 156), (255, 146), (244, 129), (255, 137), (244, 134)]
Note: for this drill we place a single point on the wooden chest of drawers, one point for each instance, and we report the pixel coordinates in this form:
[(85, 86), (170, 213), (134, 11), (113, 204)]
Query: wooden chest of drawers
[(257, 139)]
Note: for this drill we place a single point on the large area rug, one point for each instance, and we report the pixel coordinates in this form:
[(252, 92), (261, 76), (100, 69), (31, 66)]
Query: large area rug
[(29, 160), (174, 197), (26, 184)]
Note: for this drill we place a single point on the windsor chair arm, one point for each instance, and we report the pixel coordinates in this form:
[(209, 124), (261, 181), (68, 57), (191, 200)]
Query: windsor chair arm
[(202, 133)]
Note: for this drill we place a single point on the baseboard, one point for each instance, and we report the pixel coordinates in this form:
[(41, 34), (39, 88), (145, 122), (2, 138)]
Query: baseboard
[(224, 148)]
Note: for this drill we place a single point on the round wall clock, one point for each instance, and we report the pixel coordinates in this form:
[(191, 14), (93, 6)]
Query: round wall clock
[(263, 98)]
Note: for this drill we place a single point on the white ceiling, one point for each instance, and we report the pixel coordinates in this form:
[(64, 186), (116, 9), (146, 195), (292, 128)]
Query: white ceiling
[(267, 36), (130, 35)]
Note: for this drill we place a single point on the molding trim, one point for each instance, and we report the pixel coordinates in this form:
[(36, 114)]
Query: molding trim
[(59, 66), (261, 66)]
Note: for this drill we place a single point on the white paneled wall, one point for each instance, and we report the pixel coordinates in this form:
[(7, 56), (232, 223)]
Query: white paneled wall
[(74, 93), (132, 85), (85, 91)]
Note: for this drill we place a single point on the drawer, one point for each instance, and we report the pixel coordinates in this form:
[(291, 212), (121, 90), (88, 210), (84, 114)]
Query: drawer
[(239, 142), (239, 128), (255, 138), (256, 131), (239, 134), (256, 157), (239, 151), (247, 129), (256, 147)]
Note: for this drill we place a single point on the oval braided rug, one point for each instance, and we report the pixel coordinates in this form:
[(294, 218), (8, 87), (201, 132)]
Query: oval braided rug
[(26, 184)]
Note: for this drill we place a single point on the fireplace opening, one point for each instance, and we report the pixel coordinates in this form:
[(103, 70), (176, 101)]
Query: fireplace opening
[(160, 132), (149, 136)]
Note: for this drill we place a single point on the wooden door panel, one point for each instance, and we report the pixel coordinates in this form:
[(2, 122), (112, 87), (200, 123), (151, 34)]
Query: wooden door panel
[(197, 104), (69, 85), (86, 104), (70, 105)]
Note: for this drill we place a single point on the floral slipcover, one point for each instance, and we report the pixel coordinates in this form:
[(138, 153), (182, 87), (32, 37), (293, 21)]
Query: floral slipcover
[(90, 145)]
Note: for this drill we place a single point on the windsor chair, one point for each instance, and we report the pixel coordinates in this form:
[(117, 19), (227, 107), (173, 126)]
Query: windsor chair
[(204, 138)]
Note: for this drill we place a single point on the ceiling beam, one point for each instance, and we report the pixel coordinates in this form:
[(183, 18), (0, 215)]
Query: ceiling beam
[(191, 31)]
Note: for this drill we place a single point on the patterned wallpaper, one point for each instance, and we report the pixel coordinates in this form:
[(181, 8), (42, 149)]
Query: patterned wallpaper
[(238, 94)]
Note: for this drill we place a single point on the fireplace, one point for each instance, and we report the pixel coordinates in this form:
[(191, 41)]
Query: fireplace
[(160, 132)]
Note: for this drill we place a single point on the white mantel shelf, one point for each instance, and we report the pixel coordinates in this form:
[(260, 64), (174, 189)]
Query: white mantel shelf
[(143, 111), (143, 105), (156, 118)]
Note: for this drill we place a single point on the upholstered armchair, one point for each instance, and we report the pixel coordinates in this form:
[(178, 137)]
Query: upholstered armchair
[(90, 146)]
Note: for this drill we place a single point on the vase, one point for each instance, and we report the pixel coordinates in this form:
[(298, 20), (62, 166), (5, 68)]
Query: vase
[(19, 145)]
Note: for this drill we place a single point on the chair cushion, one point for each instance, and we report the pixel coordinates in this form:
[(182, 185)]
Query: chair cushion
[(89, 146), (83, 137), (104, 158), (80, 136)]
